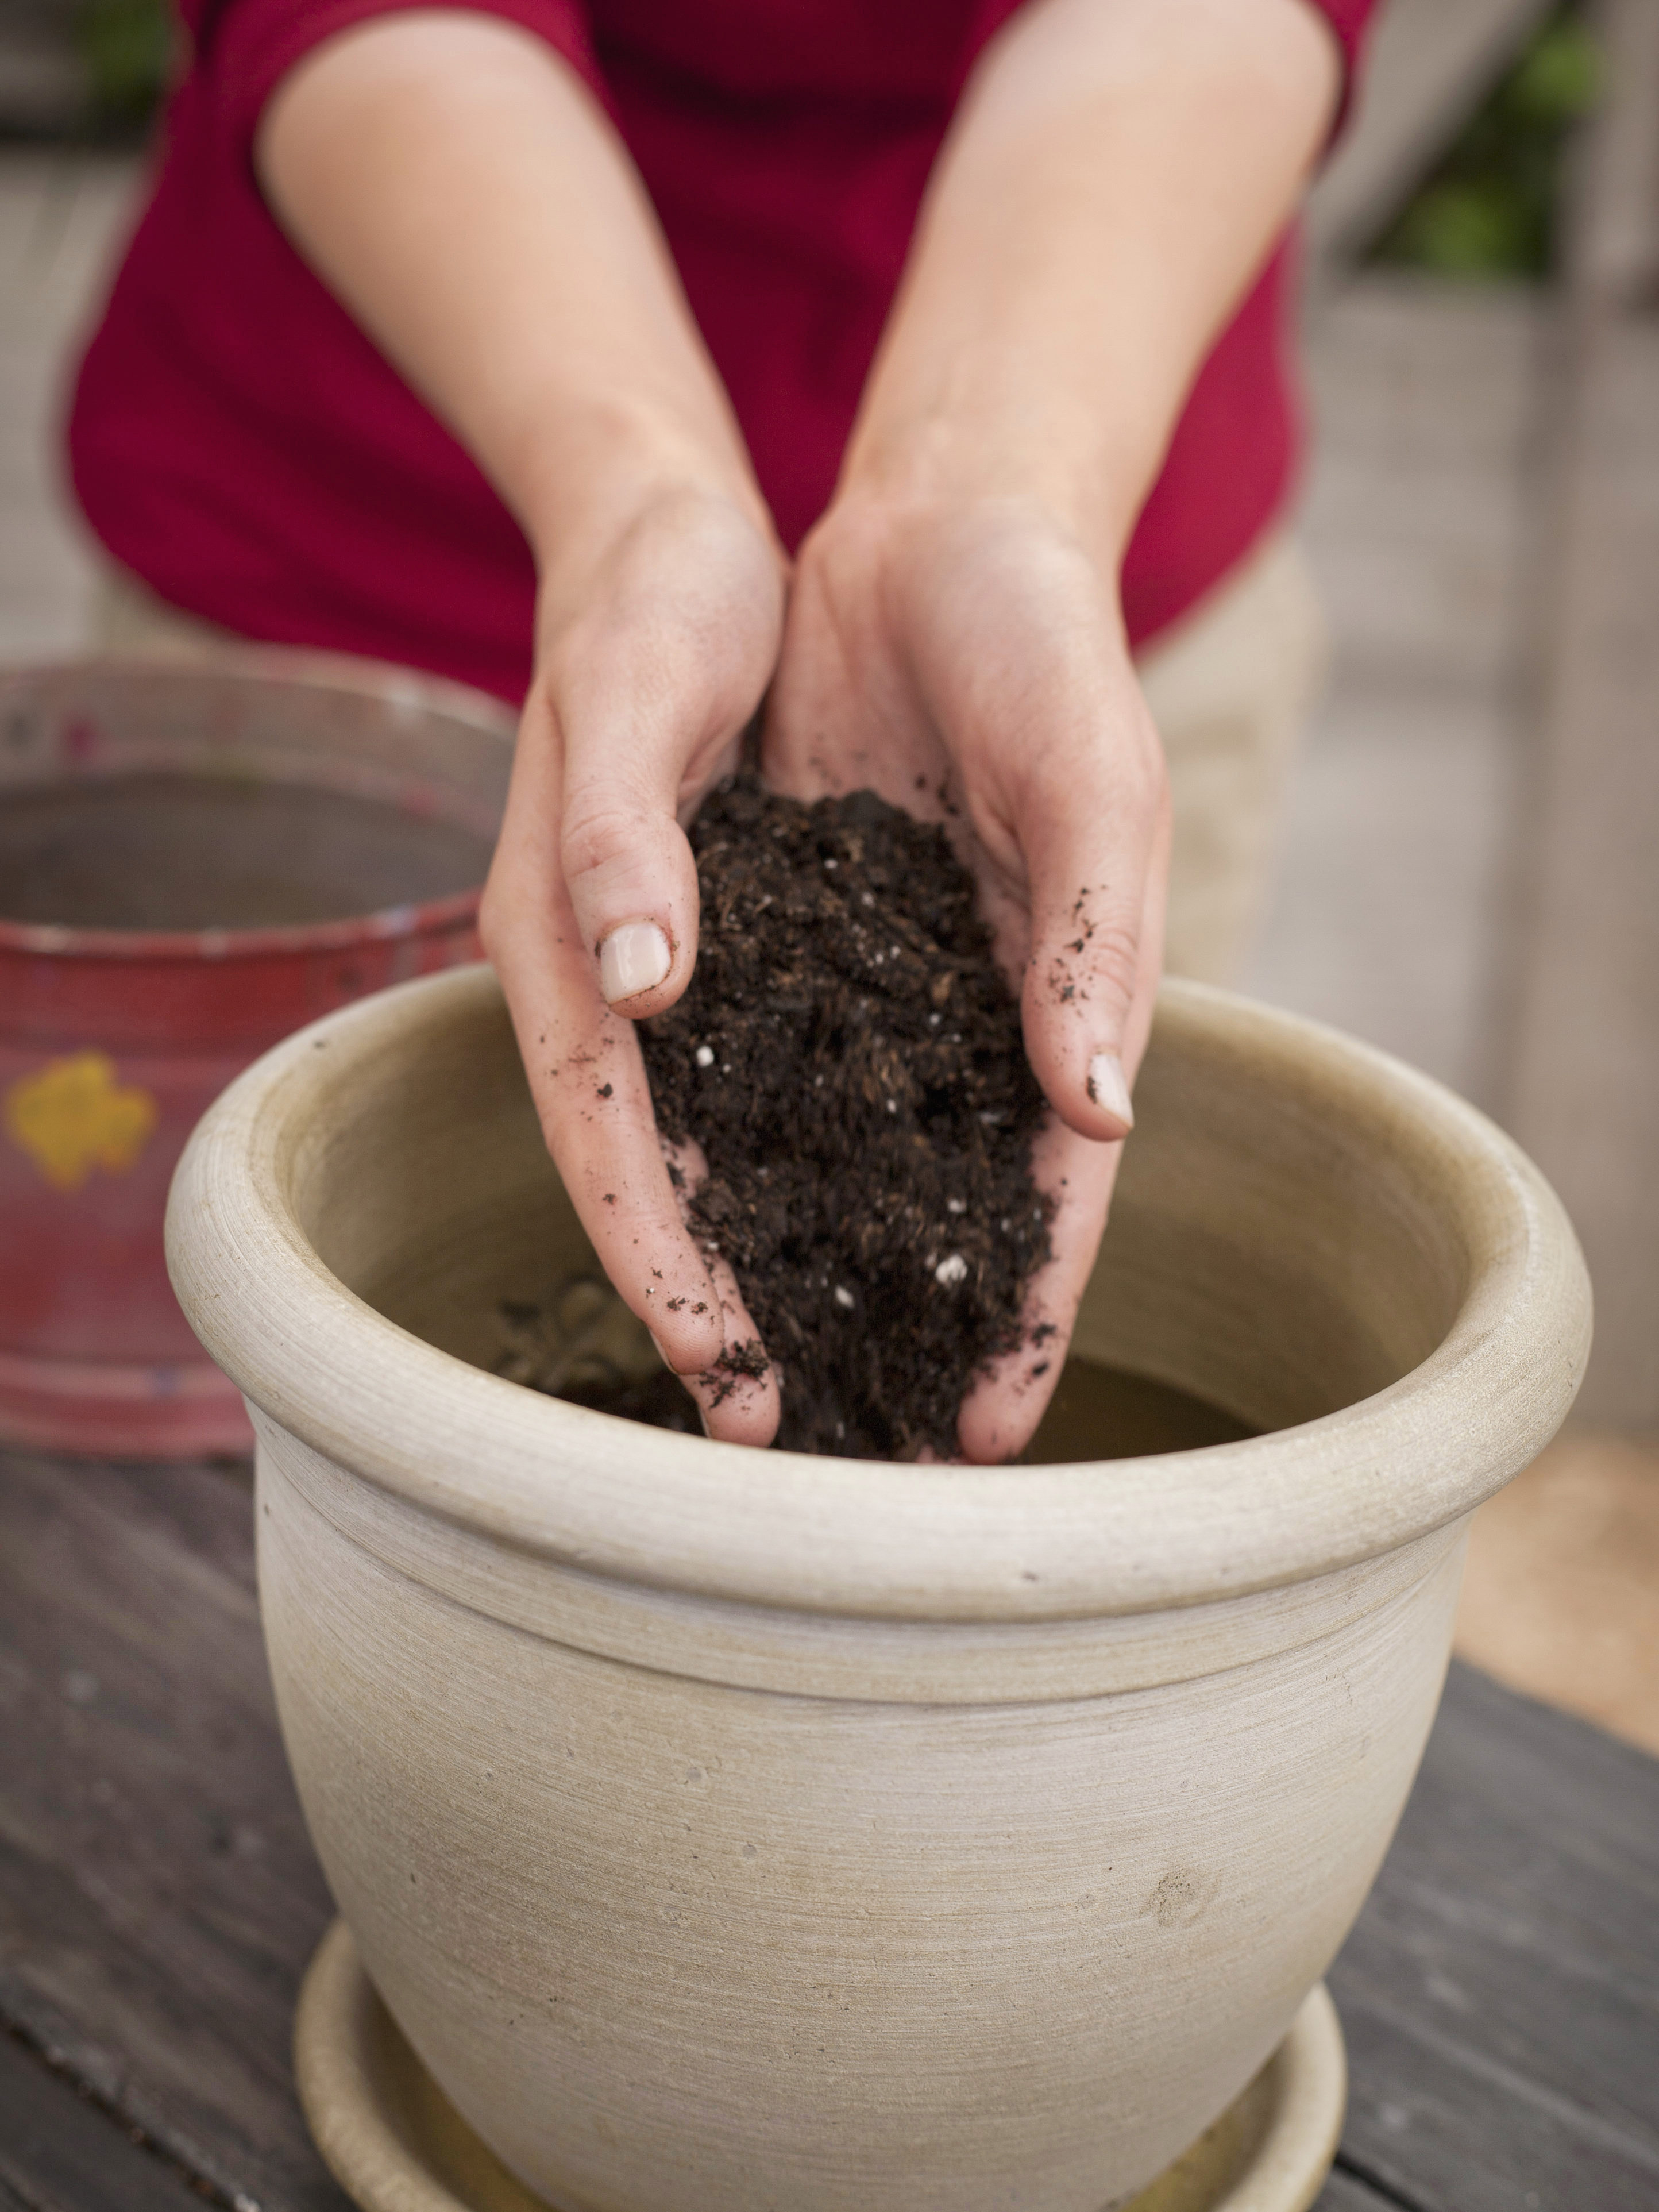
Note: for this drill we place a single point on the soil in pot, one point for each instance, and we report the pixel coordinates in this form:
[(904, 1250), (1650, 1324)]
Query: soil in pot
[(849, 1057), (581, 1344), (180, 852)]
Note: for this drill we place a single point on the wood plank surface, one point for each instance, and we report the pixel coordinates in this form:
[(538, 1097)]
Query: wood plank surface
[(1346, 2192), (159, 1897), (60, 2153), (1500, 1994), (159, 1900)]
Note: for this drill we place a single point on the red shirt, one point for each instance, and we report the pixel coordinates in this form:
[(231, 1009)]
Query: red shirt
[(238, 443)]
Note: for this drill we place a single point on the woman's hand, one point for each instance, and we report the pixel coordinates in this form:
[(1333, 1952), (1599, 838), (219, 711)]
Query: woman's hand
[(965, 659), (1115, 173), (655, 647), (463, 192)]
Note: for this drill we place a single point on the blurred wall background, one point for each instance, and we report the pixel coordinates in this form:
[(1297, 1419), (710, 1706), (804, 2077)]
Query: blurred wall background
[(1469, 874)]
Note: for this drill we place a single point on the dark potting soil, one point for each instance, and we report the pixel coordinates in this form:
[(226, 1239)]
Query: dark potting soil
[(178, 852), (849, 1057)]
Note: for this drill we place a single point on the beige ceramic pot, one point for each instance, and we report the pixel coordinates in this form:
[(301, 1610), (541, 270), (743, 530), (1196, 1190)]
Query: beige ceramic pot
[(730, 1829)]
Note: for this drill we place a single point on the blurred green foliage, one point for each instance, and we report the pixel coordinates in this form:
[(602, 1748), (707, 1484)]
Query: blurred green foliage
[(126, 50), (1490, 208)]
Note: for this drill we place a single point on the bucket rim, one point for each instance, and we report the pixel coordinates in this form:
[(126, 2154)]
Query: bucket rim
[(304, 668)]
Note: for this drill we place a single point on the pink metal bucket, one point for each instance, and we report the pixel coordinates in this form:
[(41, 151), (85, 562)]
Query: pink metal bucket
[(180, 846)]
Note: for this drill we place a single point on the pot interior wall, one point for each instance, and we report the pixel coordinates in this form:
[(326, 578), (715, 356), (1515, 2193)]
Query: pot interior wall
[(1280, 1245)]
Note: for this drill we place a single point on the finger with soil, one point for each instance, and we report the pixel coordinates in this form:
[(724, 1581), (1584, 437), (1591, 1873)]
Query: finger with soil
[(737, 1391), (1010, 1396), (585, 1072)]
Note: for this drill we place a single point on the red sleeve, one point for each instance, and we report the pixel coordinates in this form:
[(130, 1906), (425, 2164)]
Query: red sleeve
[(245, 47), (1350, 21)]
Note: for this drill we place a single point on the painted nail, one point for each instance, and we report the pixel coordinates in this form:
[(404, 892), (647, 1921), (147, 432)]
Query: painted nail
[(1107, 1088), (633, 958)]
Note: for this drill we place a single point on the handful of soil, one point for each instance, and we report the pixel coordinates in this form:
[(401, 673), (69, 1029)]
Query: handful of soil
[(849, 1058)]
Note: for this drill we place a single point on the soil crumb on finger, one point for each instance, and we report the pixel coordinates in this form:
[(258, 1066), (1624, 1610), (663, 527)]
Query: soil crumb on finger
[(737, 1363), (850, 1059)]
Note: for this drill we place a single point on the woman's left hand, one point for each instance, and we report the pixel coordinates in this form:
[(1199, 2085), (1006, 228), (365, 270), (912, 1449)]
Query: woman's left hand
[(1113, 177), (967, 660)]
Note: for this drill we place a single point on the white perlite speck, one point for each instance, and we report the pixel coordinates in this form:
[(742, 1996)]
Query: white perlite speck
[(952, 1269), (704, 1055), (844, 1297)]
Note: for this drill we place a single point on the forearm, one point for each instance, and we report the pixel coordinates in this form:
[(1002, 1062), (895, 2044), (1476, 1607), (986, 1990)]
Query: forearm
[(1117, 172), (456, 185)]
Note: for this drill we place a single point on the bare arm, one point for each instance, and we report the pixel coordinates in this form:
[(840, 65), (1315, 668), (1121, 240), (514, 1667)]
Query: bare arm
[(1116, 175), (457, 186), (1113, 182), (1116, 172)]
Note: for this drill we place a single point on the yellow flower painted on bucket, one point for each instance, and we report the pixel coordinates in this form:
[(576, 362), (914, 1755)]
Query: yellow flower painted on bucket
[(73, 1116)]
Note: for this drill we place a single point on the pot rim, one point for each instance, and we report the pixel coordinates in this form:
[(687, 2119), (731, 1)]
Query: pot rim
[(384, 682), (924, 1543)]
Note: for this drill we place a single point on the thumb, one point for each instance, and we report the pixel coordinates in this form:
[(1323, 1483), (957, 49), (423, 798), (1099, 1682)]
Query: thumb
[(629, 872), (652, 687), (639, 746), (1097, 859)]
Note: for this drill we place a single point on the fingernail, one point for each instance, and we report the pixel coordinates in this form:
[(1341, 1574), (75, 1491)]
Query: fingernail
[(1107, 1088), (632, 959)]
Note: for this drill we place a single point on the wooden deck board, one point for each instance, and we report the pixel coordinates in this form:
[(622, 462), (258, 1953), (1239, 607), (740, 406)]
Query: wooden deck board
[(159, 1899), (1500, 1994), (1347, 2192), (60, 2152)]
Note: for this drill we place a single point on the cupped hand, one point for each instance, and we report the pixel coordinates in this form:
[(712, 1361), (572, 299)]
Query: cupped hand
[(966, 660), (658, 633)]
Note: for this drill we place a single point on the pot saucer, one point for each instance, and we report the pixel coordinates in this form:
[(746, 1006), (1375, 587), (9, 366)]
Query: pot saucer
[(394, 2143)]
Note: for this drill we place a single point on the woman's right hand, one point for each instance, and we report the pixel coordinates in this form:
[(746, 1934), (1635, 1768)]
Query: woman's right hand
[(461, 189), (658, 634)]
